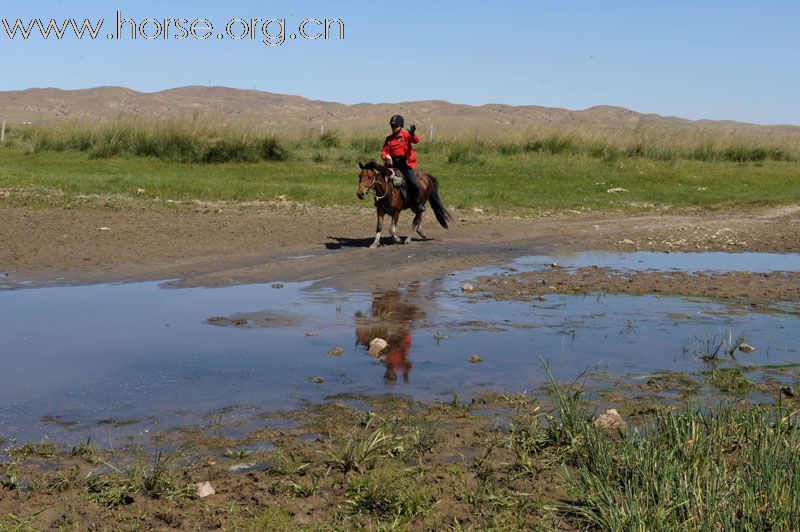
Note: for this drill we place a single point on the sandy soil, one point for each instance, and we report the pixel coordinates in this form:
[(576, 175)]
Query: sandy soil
[(222, 244)]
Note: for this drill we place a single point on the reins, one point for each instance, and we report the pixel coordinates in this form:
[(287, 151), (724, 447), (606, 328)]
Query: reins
[(375, 182)]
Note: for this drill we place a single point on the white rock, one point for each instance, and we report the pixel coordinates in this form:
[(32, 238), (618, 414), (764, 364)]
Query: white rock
[(611, 422), (204, 489), (616, 190), (466, 287), (236, 468), (376, 346), (105, 229)]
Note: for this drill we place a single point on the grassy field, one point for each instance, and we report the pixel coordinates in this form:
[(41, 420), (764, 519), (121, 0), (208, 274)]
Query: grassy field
[(532, 174)]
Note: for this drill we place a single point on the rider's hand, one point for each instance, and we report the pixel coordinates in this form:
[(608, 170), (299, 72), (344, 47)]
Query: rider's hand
[(387, 162), (413, 129)]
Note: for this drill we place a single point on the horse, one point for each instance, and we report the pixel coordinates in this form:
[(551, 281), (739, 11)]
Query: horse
[(389, 199)]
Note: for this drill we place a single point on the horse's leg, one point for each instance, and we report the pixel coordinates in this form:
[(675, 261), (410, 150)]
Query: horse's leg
[(395, 217), (378, 230), (414, 225), (418, 219)]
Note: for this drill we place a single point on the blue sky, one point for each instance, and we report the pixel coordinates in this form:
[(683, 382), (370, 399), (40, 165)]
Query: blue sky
[(697, 59)]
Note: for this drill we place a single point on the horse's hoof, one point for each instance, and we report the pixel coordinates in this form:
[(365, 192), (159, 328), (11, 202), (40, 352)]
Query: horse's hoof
[(374, 246), (407, 240)]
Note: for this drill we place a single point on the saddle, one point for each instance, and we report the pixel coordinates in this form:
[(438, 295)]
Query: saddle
[(399, 181)]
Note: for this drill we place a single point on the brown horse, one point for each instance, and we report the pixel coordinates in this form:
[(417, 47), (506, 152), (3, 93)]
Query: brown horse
[(389, 199)]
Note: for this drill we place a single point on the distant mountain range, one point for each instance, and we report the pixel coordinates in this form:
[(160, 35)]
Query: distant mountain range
[(295, 112)]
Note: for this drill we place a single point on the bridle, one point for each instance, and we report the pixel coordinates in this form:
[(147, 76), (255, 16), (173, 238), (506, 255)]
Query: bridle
[(371, 186)]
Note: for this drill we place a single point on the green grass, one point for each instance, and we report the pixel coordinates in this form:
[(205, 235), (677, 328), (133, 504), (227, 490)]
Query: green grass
[(360, 450), (87, 451), (153, 479), (533, 174), (43, 449), (390, 494), (693, 470), (728, 380), (713, 468), (530, 183)]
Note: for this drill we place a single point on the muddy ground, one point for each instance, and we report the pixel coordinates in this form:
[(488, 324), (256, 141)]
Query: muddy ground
[(423, 470), (753, 290), (220, 244), (353, 463)]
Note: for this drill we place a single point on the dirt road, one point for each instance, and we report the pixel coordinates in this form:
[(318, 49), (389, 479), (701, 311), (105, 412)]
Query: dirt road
[(228, 243)]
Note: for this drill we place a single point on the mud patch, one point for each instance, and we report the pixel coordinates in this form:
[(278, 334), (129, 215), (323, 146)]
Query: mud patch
[(267, 319), (757, 290)]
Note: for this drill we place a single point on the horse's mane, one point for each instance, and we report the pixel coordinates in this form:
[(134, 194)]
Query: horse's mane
[(374, 166)]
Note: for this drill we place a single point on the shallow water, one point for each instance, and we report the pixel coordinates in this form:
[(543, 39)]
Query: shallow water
[(681, 261), (122, 358)]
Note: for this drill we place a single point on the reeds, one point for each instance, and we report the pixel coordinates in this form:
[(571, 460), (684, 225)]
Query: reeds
[(203, 141), (171, 140)]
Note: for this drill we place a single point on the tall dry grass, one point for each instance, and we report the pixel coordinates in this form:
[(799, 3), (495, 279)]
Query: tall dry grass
[(204, 141), (178, 140)]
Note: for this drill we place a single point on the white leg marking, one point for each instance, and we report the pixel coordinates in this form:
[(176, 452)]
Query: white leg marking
[(413, 228), (377, 240)]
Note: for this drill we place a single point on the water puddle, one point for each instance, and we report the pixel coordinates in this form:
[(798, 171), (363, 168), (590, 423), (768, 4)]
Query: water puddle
[(673, 261), (128, 358)]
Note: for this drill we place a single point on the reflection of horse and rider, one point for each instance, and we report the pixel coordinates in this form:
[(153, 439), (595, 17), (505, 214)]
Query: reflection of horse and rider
[(405, 189), (390, 318)]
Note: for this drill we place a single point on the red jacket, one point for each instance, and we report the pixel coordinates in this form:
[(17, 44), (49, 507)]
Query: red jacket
[(396, 359), (400, 146)]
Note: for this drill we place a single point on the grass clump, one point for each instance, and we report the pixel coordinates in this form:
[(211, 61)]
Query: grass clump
[(389, 493), (330, 139), (270, 519), (286, 463), (360, 450), (728, 380), (86, 450), (43, 449), (150, 478), (237, 454), (713, 348), (462, 154)]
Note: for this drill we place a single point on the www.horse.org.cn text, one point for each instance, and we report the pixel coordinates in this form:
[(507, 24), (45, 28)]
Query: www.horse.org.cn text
[(267, 31)]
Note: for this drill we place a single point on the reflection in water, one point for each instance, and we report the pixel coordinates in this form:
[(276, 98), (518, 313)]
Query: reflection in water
[(391, 318)]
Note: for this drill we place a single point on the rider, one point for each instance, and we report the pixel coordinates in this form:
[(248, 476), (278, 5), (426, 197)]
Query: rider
[(398, 152)]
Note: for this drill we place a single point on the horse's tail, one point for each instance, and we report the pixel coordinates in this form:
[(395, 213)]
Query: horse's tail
[(442, 216)]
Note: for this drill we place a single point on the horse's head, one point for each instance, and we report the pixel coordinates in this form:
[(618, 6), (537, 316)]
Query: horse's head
[(370, 175)]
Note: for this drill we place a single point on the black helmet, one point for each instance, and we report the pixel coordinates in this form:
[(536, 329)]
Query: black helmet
[(397, 120)]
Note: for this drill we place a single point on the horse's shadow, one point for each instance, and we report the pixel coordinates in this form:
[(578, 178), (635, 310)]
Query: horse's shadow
[(339, 242)]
